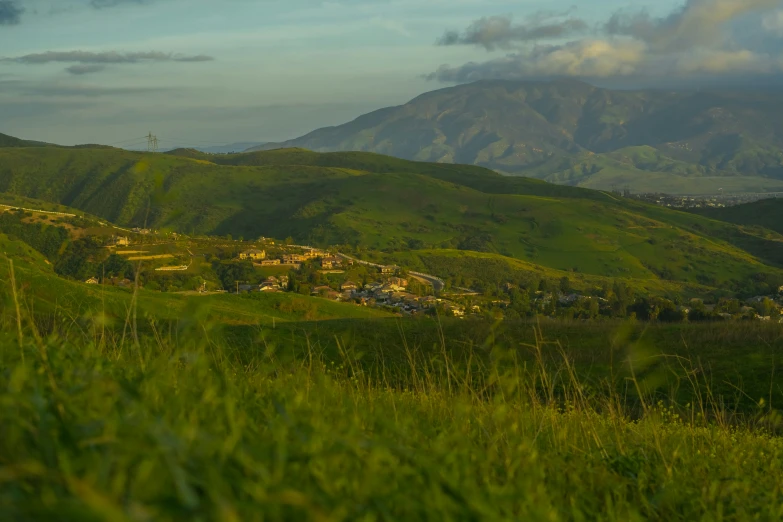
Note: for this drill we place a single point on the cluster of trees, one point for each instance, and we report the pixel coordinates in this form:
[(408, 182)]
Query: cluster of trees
[(45, 238), (81, 259)]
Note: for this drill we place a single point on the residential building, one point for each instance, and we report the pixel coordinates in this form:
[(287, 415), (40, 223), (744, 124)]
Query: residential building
[(269, 262), (292, 259), (328, 263), (119, 241), (391, 269), (253, 255), (398, 281), (92, 281), (349, 286)]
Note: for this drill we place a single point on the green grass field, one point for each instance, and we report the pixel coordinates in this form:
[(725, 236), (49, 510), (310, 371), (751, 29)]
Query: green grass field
[(192, 424)]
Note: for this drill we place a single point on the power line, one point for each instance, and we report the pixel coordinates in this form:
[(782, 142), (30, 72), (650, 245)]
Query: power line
[(152, 143)]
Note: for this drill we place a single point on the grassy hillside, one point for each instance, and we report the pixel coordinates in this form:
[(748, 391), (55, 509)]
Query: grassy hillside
[(573, 133), (767, 213), (380, 203), (42, 291)]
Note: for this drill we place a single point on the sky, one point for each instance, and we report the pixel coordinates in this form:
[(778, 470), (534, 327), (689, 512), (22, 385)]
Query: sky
[(211, 72)]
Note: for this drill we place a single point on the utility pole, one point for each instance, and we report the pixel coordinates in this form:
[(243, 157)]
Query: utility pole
[(152, 143)]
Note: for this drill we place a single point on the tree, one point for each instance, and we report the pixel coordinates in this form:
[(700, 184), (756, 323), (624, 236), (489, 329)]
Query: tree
[(117, 266)]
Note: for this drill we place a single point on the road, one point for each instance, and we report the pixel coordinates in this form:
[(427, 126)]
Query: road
[(436, 282)]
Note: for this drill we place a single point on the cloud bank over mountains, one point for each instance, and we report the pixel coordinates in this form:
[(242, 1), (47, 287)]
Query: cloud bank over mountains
[(701, 38)]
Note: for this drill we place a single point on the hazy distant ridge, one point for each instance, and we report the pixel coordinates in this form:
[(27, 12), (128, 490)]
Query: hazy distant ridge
[(573, 133)]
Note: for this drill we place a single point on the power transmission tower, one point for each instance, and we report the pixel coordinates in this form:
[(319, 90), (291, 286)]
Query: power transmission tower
[(152, 143)]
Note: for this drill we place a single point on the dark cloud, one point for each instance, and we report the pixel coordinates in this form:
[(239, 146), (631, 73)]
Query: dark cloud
[(10, 12), (102, 4), (82, 69), (703, 38), (108, 57), (500, 32)]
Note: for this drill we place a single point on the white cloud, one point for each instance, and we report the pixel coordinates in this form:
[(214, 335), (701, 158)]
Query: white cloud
[(696, 39)]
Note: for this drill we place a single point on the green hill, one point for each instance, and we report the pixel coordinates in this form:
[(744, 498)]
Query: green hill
[(10, 141), (767, 213), (573, 133), (375, 202)]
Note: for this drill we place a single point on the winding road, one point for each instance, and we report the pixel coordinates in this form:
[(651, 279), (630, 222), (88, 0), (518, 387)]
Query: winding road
[(437, 283)]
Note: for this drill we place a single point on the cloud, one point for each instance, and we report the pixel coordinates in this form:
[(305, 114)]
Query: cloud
[(10, 12), (82, 69), (500, 32), (702, 37), (102, 4), (90, 62), (107, 57), (697, 23)]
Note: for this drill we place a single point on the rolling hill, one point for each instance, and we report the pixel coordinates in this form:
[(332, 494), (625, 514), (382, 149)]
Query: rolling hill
[(369, 201), (767, 213), (570, 132)]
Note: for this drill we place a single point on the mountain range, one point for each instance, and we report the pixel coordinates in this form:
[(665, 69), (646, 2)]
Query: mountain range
[(570, 132)]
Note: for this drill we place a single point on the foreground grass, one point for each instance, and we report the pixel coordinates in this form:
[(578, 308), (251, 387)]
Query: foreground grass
[(186, 427)]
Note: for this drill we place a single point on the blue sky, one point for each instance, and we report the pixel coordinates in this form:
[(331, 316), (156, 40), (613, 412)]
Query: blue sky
[(199, 72)]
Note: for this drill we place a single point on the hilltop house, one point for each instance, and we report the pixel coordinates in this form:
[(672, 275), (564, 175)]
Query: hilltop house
[(327, 263), (92, 281), (269, 262), (253, 255)]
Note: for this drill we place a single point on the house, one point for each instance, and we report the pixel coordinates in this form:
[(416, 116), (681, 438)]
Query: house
[(398, 281), (325, 291), (119, 241), (92, 281), (283, 280), (327, 263), (391, 269), (780, 290), (268, 287), (349, 286), (254, 255), (269, 262), (292, 259)]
